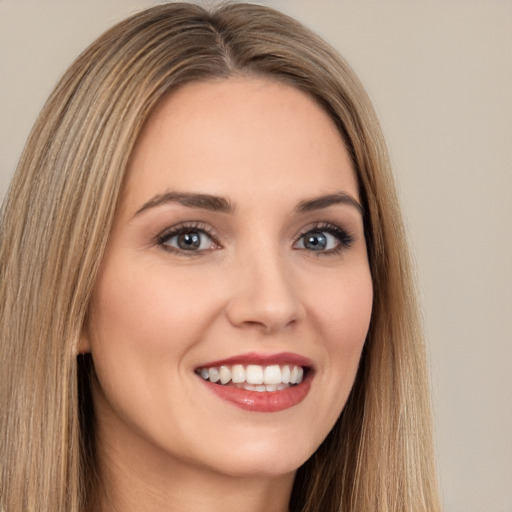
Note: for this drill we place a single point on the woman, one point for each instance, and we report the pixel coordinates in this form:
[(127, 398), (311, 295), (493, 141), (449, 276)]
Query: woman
[(206, 296)]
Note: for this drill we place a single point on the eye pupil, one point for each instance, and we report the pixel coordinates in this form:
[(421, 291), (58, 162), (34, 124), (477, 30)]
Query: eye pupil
[(315, 241), (188, 241)]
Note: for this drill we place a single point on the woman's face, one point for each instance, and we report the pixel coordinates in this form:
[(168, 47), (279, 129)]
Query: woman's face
[(237, 254)]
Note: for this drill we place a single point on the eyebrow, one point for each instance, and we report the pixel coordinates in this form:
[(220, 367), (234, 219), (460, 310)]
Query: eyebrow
[(224, 205), (191, 200), (318, 203)]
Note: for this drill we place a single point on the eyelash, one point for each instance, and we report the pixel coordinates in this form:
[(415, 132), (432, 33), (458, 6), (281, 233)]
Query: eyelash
[(344, 238), (183, 229)]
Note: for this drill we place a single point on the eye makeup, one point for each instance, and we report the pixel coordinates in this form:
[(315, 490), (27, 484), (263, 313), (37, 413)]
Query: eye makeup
[(314, 239), (188, 239), (198, 238)]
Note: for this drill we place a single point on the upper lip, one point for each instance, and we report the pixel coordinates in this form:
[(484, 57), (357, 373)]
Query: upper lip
[(262, 360)]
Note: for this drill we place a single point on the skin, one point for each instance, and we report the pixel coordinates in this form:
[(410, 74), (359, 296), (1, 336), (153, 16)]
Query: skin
[(165, 441)]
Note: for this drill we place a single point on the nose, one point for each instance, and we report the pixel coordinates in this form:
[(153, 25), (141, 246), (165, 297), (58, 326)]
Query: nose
[(265, 294)]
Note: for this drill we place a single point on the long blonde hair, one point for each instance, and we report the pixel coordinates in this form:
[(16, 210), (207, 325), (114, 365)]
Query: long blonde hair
[(56, 220)]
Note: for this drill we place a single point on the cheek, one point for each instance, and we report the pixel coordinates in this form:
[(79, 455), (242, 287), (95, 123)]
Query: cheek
[(143, 328), (344, 308), (147, 311), (342, 320)]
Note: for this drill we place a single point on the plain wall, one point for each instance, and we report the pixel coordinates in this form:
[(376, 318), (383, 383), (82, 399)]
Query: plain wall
[(440, 74)]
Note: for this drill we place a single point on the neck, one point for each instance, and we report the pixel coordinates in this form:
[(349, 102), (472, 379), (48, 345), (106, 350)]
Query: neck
[(129, 492)]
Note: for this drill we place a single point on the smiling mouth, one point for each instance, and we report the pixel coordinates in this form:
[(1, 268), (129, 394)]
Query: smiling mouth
[(254, 377)]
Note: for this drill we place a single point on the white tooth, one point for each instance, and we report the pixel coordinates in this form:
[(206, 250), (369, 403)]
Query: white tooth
[(213, 373), (300, 374), (285, 374), (204, 373), (260, 388), (238, 373), (271, 387), (293, 375), (280, 387), (272, 374), (254, 374), (225, 374)]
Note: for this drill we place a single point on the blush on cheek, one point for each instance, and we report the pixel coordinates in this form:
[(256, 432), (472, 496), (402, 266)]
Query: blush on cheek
[(345, 323), (349, 310)]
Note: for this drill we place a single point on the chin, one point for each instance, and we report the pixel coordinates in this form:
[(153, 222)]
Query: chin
[(271, 467), (266, 457)]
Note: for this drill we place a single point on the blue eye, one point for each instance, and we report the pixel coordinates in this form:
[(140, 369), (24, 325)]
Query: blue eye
[(324, 239), (187, 239)]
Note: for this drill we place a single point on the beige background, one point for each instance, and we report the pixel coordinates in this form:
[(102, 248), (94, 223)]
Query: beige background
[(440, 74)]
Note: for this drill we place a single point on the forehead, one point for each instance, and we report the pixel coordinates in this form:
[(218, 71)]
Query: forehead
[(239, 137)]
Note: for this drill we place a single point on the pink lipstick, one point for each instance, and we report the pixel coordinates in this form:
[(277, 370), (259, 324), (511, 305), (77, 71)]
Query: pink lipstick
[(259, 382)]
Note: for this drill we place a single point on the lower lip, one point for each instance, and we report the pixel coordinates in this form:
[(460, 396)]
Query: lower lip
[(262, 401)]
